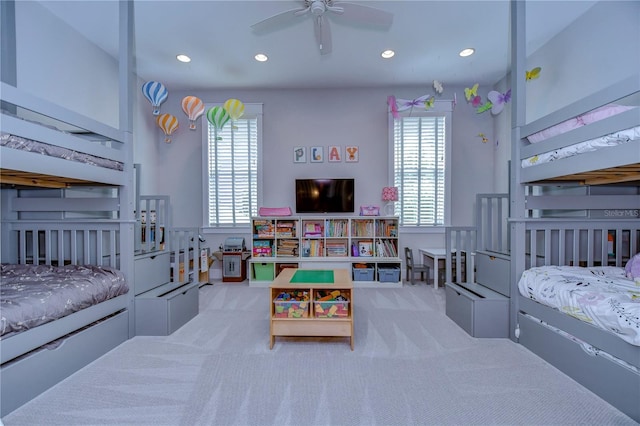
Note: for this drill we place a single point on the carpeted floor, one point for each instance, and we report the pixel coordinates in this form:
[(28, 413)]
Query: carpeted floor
[(411, 366)]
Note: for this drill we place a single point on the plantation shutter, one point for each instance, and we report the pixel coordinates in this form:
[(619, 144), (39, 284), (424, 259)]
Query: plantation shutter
[(419, 169), (233, 173)]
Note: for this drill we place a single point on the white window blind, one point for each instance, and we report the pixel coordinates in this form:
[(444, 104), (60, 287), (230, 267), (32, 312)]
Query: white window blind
[(232, 172), (419, 168)]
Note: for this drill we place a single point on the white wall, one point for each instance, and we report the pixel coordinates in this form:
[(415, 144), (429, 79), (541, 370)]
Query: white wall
[(599, 49), (322, 118), (291, 118), (56, 63)]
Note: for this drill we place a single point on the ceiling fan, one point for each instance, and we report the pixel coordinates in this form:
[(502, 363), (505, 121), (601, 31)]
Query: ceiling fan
[(317, 9)]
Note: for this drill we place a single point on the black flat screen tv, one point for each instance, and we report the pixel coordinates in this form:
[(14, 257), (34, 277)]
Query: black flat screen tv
[(324, 195)]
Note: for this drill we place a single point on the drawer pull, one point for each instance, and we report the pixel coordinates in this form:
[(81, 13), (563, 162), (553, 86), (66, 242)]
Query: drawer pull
[(492, 257), (152, 257)]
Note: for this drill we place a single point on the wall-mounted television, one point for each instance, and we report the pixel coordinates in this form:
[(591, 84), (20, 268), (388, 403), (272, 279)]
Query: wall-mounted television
[(324, 195)]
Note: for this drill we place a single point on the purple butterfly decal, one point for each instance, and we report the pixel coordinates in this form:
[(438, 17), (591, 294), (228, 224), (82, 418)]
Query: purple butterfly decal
[(498, 100)]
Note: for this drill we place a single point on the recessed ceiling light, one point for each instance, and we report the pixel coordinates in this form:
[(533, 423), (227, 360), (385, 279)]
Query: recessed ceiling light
[(261, 57), (388, 54), (183, 58), (467, 52)]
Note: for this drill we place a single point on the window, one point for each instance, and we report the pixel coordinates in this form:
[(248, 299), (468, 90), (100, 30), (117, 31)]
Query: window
[(420, 167), (232, 167)]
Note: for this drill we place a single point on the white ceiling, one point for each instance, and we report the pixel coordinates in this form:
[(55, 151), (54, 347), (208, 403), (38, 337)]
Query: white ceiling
[(426, 35)]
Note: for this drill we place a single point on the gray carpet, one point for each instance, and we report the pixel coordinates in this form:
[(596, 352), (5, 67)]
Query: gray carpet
[(411, 366)]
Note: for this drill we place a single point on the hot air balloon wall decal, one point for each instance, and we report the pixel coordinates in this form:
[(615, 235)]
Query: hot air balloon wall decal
[(194, 108), (218, 117), (235, 108), (169, 124), (156, 93)]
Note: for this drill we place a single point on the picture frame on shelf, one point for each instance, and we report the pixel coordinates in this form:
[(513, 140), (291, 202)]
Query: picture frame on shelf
[(365, 248)]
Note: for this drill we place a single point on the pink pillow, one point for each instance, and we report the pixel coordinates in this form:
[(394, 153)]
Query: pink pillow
[(603, 112), (632, 268), (582, 120), (556, 130)]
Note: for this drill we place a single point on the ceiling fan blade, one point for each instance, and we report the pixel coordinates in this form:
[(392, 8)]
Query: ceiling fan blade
[(323, 34), (366, 15), (279, 20)]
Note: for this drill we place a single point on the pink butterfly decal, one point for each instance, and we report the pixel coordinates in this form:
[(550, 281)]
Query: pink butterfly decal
[(498, 100), (393, 107), (476, 101)]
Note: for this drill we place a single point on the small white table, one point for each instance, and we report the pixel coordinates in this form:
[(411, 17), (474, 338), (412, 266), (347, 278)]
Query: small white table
[(432, 257)]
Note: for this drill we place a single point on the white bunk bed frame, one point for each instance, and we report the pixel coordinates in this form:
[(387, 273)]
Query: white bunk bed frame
[(36, 359), (600, 361)]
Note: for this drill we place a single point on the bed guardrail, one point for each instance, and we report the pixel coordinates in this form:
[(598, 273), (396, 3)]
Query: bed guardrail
[(460, 249), (492, 212), (184, 246), (84, 242), (152, 222), (584, 243)]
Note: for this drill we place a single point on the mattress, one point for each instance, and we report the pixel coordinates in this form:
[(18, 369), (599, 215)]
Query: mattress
[(23, 144), (32, 295), (601, 296), (613, 139)]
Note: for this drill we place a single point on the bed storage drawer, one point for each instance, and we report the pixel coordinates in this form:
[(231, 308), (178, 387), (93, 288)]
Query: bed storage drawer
[(608, 379), (493, 271), (163, 310), (477, 310), (150, 271), (28, 376)]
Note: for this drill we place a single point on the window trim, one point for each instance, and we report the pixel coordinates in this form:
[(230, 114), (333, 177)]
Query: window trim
[(442, 108), (250, 110)]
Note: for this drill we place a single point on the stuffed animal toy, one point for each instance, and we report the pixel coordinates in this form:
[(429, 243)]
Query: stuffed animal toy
[(632, 268)]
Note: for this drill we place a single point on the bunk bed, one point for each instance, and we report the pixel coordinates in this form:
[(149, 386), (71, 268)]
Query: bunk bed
[(168, 267), (492, 254), (592, 141), (66, 215), (588, 251)]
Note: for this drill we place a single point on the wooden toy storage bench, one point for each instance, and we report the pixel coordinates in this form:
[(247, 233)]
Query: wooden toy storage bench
[(311, 319)]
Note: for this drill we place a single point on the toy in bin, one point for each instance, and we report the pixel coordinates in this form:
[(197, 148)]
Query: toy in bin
[(331, 304), (292, 304)]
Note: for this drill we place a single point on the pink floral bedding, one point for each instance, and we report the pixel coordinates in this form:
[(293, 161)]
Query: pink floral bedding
[(601, 296)]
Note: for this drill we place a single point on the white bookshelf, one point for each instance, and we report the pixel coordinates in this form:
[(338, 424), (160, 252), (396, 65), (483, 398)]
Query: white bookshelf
[(368, 244)]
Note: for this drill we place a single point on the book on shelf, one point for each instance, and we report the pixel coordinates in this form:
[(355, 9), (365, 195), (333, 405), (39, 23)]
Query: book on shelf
[(312, 248), (285, 229), (262, 248), (337, 248), (312, 229), (336, 228), (386, 248), (287, 248), (362, 228), (263, 229), (365, 248)]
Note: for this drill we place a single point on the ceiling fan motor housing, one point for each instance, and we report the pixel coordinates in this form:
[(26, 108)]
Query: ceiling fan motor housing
[(318, 8)]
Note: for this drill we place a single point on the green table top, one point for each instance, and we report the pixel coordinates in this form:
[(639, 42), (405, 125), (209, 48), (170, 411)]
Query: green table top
[(312, 276)]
